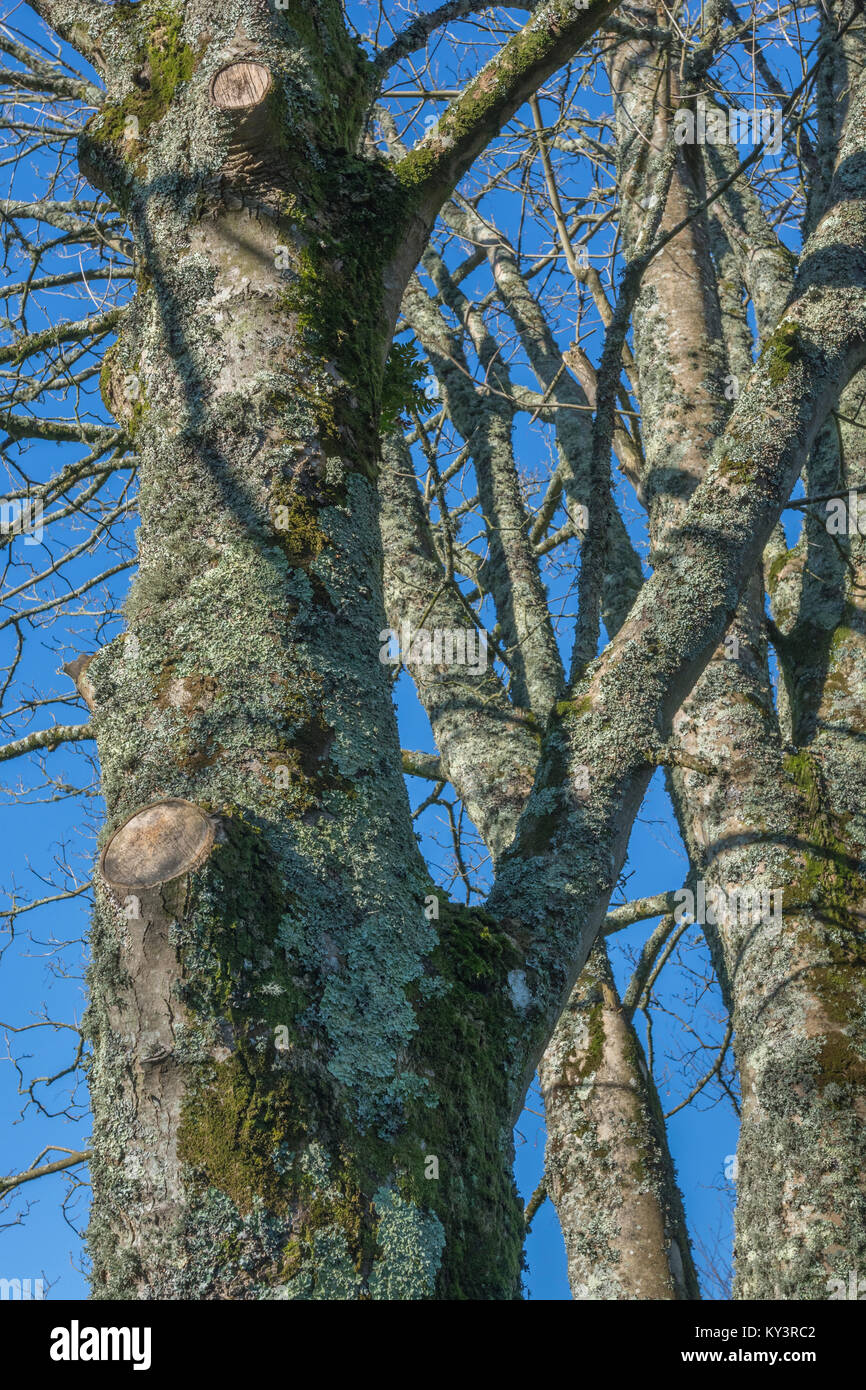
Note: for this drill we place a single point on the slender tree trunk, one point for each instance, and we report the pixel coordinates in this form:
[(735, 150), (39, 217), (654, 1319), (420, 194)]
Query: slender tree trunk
[(607, 1165)]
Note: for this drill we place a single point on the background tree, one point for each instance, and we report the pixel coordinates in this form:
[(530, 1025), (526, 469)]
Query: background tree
[(305, 1062)]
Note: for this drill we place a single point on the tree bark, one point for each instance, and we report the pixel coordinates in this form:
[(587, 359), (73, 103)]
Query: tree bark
[(606, 1161), (273, 1034)]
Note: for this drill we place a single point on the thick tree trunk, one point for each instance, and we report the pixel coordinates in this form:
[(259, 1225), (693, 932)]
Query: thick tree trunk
[(280, 1107), (791, 976)]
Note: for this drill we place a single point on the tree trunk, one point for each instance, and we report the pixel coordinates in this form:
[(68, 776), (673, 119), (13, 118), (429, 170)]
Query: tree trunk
[(607, 1165), (280, 1106)]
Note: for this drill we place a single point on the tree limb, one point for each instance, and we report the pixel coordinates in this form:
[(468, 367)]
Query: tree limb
[(46, 738), (16, 1179), (421, 765), (550, 38), (416, 34)]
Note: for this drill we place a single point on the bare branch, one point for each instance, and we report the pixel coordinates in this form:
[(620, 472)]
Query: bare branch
[(416, 34), (47, 738), (59, 1166)]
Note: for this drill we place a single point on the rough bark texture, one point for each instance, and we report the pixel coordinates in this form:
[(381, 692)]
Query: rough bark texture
[(607, 1165), (608, 1168), (262, 1113)]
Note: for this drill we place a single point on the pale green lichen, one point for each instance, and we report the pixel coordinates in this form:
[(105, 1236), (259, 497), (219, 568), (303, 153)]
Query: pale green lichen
[(411, 1242)]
